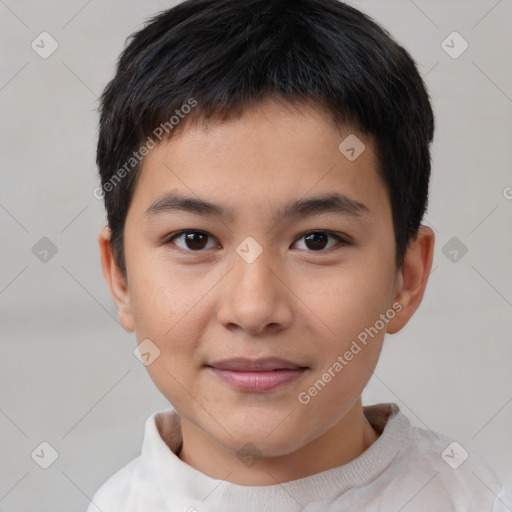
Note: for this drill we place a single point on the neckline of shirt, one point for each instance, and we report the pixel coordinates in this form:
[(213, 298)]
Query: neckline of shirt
[(181, 483)]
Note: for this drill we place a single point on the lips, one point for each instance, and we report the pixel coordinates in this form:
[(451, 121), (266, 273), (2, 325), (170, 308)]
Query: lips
[(256, 365), (256, 375)]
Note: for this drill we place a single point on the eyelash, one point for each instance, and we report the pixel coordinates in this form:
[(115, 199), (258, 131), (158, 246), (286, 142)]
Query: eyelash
[(169, 240)]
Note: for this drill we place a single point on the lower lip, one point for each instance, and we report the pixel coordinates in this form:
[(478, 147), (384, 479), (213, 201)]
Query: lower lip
[(257, 381)]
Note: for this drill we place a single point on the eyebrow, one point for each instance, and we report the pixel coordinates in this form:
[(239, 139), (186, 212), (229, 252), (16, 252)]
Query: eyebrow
[(332, 203)]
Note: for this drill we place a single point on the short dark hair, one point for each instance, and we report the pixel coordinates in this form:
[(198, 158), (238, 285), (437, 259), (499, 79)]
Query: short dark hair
[(222, 56)]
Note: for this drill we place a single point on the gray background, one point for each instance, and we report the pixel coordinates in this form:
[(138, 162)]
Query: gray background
[(68, 375)]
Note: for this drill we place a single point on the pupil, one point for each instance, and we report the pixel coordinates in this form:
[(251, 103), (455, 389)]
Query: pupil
[(314, 237), (192, 238)]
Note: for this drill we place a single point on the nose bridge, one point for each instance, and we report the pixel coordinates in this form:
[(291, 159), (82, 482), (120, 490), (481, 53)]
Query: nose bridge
[(252, 276), (255, 297)]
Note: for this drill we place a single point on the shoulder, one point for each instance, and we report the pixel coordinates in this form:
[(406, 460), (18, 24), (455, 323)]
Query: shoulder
[(433, 472), (133, 487), (113, 494), (127, 490)]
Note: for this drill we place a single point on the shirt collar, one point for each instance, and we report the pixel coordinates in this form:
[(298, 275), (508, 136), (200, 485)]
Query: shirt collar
[(183, 486)]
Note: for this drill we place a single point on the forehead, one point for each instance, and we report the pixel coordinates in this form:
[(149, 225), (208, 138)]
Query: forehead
[(270, 156)]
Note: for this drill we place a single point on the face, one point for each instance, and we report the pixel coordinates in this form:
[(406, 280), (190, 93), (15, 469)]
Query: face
[(246, 281)]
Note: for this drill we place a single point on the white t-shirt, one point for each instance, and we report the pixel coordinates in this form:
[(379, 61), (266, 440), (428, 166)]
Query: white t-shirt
[(408, 469)]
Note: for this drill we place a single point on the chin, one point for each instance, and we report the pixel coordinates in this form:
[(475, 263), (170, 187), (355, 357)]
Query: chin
[(263, 443)]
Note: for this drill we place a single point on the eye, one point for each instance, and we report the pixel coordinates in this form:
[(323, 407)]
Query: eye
[(317, 240), (194, 241)]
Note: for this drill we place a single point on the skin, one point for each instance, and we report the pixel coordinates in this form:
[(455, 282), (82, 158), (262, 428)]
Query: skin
[(292, 302)]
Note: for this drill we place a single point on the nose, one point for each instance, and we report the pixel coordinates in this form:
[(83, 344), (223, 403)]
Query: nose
[(255, 297)]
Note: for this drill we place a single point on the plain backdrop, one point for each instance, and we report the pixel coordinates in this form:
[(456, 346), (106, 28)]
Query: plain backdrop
[(68, 375)]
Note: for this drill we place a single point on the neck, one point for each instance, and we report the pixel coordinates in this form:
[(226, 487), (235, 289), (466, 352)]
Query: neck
[(342, 443)]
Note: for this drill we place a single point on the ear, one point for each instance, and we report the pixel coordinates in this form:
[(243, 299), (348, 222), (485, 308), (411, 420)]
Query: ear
[(412, 278), (116, 281)]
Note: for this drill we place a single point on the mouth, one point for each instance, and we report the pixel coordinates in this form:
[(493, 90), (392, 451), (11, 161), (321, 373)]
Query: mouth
[(256, 375)]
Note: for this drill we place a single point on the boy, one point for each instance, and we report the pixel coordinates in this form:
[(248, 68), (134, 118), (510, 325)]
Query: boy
[(290, 141)]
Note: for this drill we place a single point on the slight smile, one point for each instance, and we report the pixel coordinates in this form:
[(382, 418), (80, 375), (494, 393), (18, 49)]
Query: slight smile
[(256, 375)]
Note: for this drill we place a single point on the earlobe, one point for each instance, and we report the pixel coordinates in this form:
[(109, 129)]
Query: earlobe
[(115, 280), (413, 278)]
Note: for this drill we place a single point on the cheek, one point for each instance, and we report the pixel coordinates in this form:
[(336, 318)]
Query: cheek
[(329, 401), (172, 317), (346, 300), (161, 299), (347, 366)]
